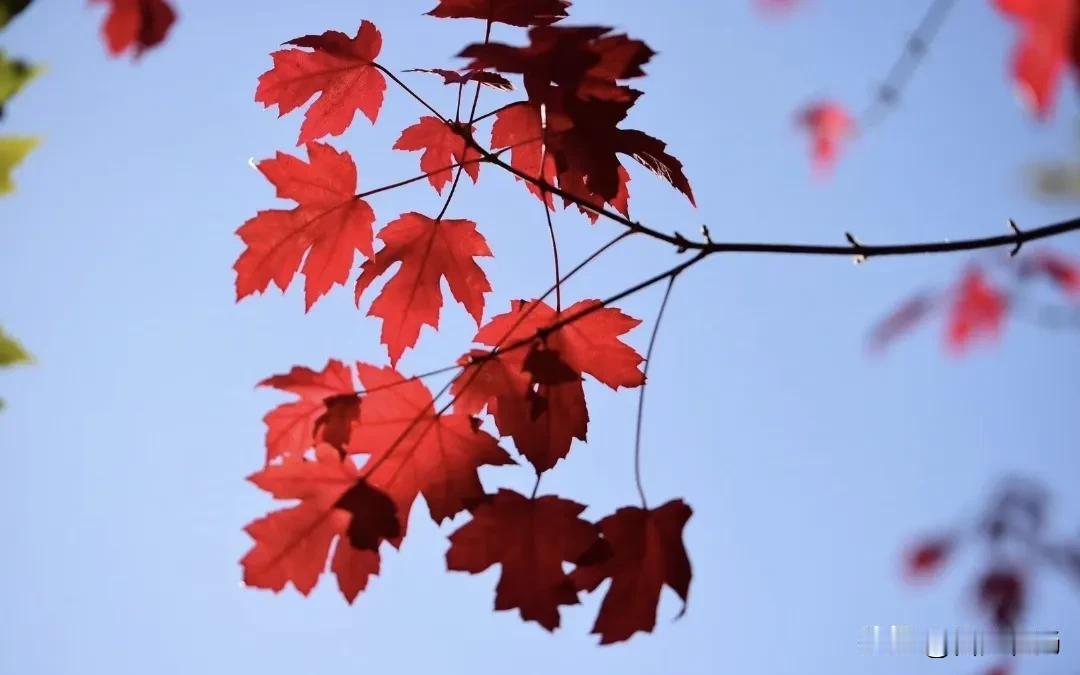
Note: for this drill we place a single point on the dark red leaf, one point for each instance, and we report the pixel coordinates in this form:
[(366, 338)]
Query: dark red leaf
[(522, 13), (530, 539), (1062, 271), (493, 80), (642, 551), (927, 558), (326, 411), (136, 24), (1001, 595)]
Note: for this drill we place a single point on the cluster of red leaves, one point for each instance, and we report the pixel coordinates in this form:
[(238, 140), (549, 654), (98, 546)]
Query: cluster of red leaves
[(1048, 46), (136, 25), (976, 306), (357, 454), (1014, 529)]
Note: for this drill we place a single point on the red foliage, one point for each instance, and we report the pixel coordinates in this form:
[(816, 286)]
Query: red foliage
[(530, 539), (978, 310), (1063, 272), (829, 125), (429, 251), (1001, 595), (328, 224), (338, 68), (137, 25), (1049, 44), (358, 457), (443, 146), (522, 13), (927, 558), (642, 550)]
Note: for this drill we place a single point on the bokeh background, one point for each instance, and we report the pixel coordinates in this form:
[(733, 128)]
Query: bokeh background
[(810, 467)]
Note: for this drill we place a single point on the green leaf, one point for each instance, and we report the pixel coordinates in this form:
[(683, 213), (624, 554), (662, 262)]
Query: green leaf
[(9, 8), (11, 352), (14, 74), (12, 151)]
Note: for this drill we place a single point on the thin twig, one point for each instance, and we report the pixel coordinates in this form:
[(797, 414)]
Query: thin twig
[(641, 391)]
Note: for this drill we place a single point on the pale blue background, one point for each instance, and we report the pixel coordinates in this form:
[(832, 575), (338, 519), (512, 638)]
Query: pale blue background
[(808, 465)]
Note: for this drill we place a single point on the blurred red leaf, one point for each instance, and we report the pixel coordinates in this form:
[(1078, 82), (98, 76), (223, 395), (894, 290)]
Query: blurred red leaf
[(829, 125), (902, 320), (978, 309), (136, 24), (1049, 43), (927, 558), (1062, 271), (1001, 595)]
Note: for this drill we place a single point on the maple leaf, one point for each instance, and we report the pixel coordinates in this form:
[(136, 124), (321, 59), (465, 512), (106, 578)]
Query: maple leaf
[(519, 128), (413, 450), (583, 141), (327, 410), (292, 544), (641, 551), (589, 344), (1062, 271), (523, 13), (493, 80), (1049, 41), (902, 320), (530, 539), (582, 62), (136, 24), (428, 250), (829, 125), (329, 223), (978, 309), (927, 558), (443, 146), (340, 69), (536, 396)]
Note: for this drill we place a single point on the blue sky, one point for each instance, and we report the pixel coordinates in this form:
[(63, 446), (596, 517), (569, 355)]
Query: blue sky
[(809, 466)]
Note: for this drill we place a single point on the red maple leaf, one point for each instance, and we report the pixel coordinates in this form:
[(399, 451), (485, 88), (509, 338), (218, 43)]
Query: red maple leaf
[(1062, 271), (777, 6), (493, 80), (572, 78), (329, 223), (530, 539), (977, 310), (443, 146), (292, 544), (340, 69), (642, 550), (540, 402), (1049, 42), (327, 410), (413, 450), (522, 13), (136, 24), (428, 250), (927, 558), (829, 125), (583, 144)]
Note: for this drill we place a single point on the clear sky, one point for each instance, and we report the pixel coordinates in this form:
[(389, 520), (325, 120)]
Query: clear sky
[(808, 465)]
